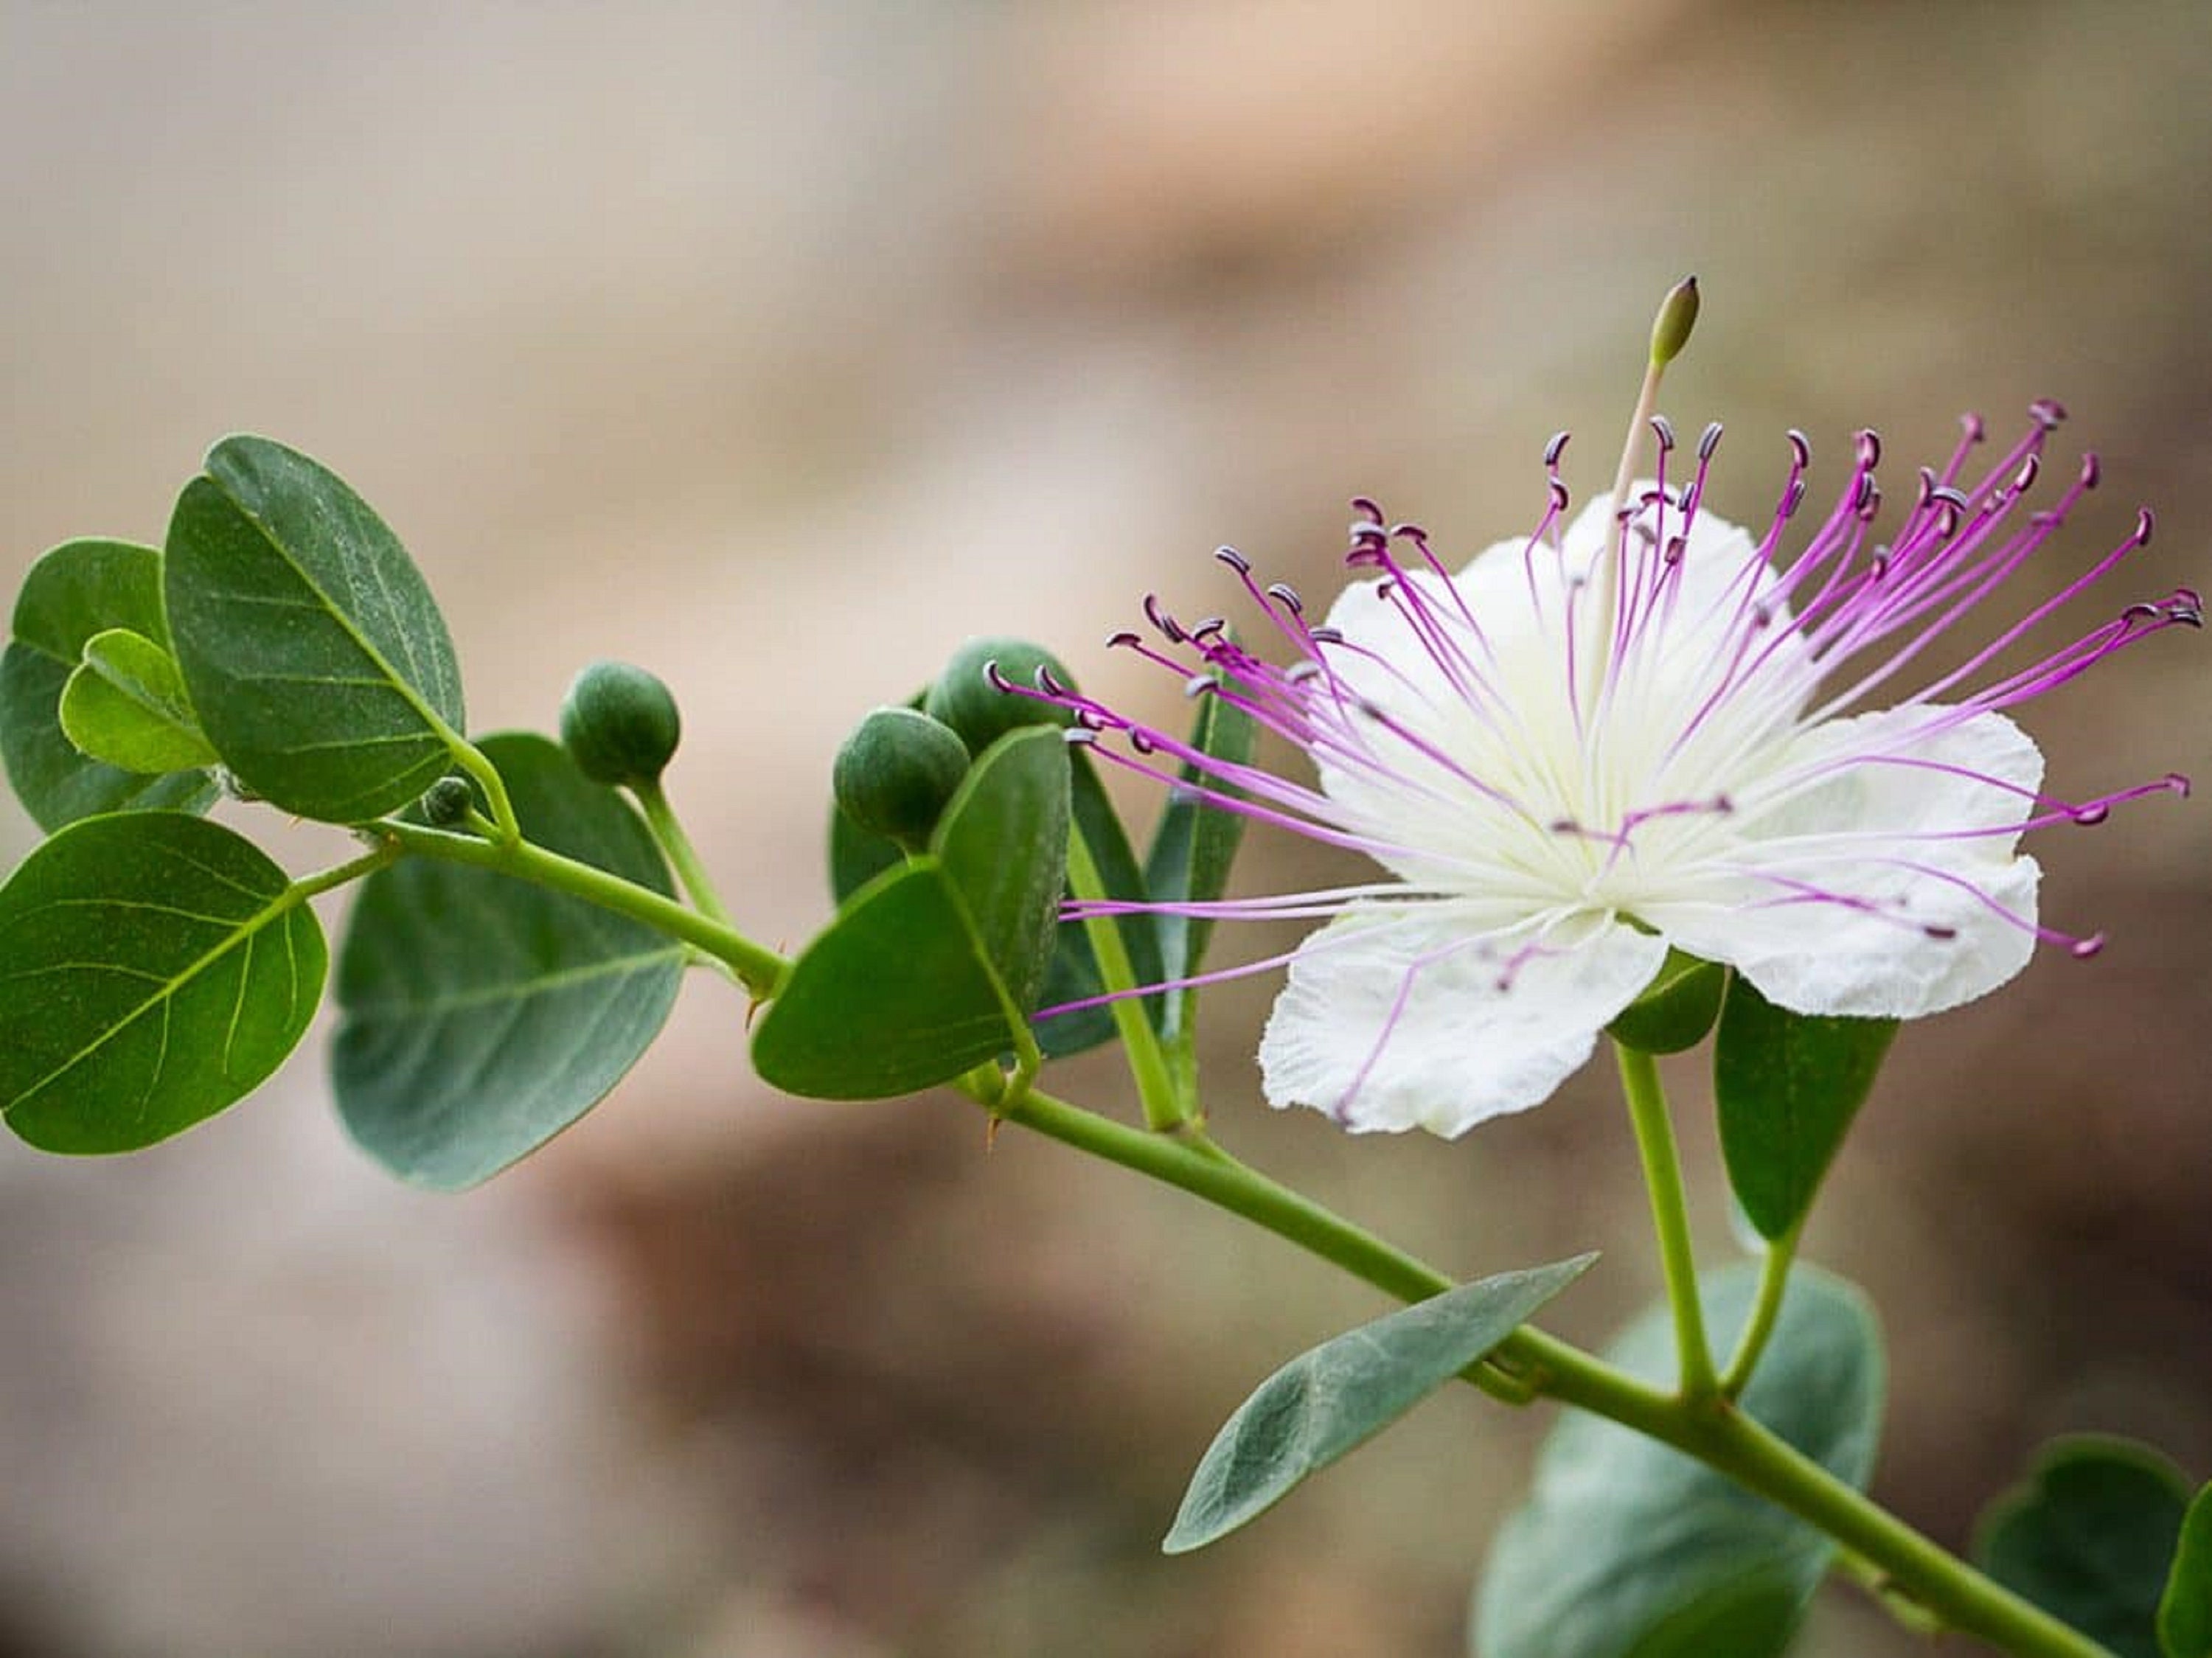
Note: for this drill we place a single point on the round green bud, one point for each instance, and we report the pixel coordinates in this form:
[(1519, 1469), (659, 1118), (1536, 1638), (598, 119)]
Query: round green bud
[(619, 723), (968, 695), (897, 772), (447, 801)]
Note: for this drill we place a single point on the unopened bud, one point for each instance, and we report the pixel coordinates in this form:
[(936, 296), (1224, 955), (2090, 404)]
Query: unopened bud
[(1678, 315)]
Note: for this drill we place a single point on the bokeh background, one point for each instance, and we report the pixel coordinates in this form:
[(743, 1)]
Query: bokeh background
[(780, 345)]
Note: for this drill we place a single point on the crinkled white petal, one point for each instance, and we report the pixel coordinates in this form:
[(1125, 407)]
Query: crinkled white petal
[(1405, 1019), (1881, 833)]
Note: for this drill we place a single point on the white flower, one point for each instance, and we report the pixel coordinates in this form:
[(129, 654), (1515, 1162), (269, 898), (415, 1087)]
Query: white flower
[(1638, 731)]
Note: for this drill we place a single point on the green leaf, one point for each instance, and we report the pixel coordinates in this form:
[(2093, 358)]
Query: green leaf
[(79, 589), (1003, 844), (1192, 851), (1074, 974), (314, 655), (1329, 1401), (156, 967), (856, 856), (1675, 1010), (1627, 1547), (894, 995), (2088, 1538), (2184, 1611), (125, 704), (484, 1014), (933, 968), (1788, 1086)]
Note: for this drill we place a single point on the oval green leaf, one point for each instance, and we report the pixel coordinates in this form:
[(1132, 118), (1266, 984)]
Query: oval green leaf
[(315, 657), (1331, 1399), (2184, 1611), (1627, 1547), (1788, 1086), (126, 705), (2089, 1538), (154, 968), (484, 1014), (1003, 845), (894, 995), (76, 590)]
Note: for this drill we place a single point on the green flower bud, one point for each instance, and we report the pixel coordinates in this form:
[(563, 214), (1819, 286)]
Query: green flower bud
[(1678, 315), (619, 723), (968, 695), (897, 772), (447, 801)]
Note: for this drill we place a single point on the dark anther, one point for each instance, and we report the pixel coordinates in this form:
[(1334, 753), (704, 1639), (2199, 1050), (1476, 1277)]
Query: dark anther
[(1792, 499), (1560, 496), (1199, 683), (2092, 471), (998, 681), (1869, 499), (1362, 508), (2046, 412), (1298, 672), (1927, 488), (1234, 560), (1287, 595), (2176, 783), (2090, 817), (1123, 640), (1944, 933), (1676, 546), (1972, 427), (2030, 469), (1761, 617), (1801, 449), (1327, 635), (1664, 430), (1556, 446), (1047, 683), (1371, 709), (1170, 628), (1207, 627), (1139, 741), (1878, 564), (2145, 525), (1870, 442), (1709, 441), (1723, 805), (2082, 949)]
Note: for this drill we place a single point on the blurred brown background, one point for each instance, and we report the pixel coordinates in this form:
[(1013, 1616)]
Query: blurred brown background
[(778, 346)]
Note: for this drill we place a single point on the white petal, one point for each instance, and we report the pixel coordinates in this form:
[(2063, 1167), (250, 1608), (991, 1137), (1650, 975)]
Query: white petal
[(1854, 835), (1405, 1020)]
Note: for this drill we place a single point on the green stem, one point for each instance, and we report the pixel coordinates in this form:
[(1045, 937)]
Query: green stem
[(1148, 1066), (471, 759), (1709, 1429), (676, 846), (309, 886), (760, 969), (1662, 1177), (1773, 1281)]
